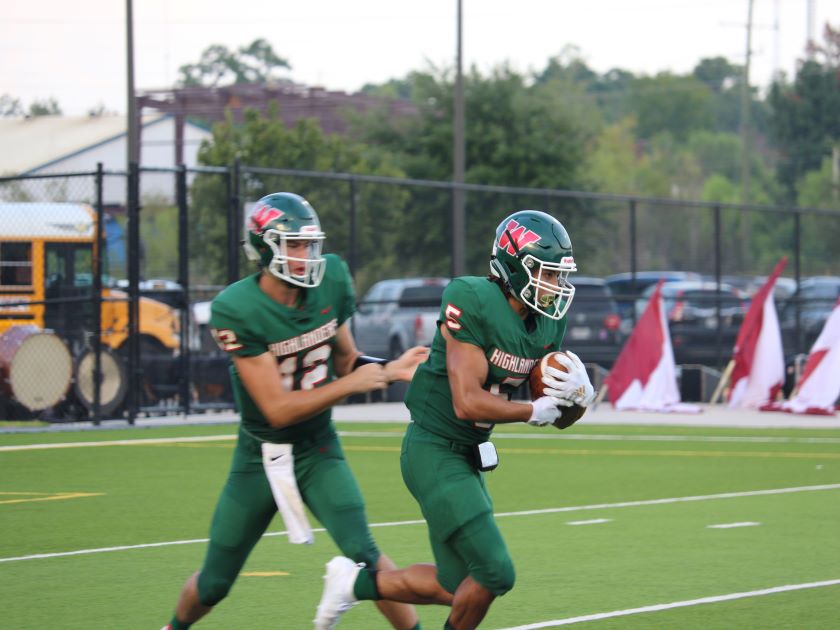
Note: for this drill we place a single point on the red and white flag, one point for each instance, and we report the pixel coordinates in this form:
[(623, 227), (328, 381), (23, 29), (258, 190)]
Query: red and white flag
[(819, 386), (759, 370), (643, 376)]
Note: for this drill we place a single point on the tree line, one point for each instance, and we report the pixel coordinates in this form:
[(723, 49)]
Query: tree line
[(565, 126)]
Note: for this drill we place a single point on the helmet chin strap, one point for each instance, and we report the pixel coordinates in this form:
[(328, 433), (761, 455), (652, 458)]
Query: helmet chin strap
[(518, 253)]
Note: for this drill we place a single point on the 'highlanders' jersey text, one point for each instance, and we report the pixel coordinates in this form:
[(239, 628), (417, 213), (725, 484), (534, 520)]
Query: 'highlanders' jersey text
[(306, 340), (511, 363)]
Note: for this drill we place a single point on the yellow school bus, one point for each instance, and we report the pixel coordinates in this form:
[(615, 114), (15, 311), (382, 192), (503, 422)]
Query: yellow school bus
[(46, 256)]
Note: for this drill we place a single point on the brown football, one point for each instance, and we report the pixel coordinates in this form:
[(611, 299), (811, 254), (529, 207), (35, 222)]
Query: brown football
[(535, 378), (568, 415)]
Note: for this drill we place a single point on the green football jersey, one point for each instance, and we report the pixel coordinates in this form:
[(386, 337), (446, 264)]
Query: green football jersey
[(246, 322), (476, 311)]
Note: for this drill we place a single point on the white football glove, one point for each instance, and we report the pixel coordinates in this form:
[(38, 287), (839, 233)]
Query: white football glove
[(545, 410), (573, 385)]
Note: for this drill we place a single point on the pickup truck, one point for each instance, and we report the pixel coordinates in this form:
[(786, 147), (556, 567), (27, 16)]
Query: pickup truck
[(395, 315)]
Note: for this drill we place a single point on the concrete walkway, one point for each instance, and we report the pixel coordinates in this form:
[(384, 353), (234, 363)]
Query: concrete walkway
[(710, 416)]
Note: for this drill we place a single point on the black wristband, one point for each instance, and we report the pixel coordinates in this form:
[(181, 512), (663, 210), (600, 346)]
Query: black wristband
[(363, 359)]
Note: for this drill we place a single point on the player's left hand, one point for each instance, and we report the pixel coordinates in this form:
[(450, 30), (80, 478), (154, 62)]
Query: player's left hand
[(573, 385), (403, 368)]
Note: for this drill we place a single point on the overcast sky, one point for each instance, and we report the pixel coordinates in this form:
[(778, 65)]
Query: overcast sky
[(75, 51)]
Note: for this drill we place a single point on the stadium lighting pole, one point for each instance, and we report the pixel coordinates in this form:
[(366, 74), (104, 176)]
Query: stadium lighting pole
[(458, 153)]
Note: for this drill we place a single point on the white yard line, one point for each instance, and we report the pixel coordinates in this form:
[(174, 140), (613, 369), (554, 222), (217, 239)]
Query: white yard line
[(138, 442), (683, 604), (733, 525), (503, 436), (575, 508), (594, 521)]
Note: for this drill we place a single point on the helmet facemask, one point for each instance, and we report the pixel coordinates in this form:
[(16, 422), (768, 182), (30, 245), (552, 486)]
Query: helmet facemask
[(281, 264), (546, 298)]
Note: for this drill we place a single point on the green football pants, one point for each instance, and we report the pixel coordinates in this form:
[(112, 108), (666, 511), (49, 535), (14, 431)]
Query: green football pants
[(459, 511), (246, 507)]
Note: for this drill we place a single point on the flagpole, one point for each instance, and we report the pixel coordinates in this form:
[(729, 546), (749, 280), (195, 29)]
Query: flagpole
[(600, 397), (723, 382)]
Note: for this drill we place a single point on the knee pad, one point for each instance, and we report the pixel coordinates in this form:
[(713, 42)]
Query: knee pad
[(212, 589), (481, 546), (497, 574)]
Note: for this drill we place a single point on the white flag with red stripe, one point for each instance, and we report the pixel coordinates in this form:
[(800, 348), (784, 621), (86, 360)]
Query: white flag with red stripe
[(819, 386), (759, 370), (643, 376)]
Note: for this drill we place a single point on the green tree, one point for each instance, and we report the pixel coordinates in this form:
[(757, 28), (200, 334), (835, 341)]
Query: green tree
[(10, 106), (805, 119), (46, 107), (218, 65), (672, 103), (263, 142), (819, 189), (517, 134)]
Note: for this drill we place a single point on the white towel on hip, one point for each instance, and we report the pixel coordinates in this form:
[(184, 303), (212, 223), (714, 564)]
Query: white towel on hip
[(279, 465)]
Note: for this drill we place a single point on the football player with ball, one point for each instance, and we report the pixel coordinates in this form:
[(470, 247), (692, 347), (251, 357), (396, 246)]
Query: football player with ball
[(493, 332)]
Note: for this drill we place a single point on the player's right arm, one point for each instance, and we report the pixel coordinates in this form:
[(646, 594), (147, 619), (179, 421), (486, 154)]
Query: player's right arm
[(259, 374), (467, 368), (281, 407)]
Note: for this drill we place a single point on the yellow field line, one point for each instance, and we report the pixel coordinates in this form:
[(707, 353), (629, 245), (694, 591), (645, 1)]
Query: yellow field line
[(54, 497), (263, 573), (630, 453)]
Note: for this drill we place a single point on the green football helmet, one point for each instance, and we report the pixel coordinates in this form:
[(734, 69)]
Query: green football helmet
[(528, 243), (277, 219)]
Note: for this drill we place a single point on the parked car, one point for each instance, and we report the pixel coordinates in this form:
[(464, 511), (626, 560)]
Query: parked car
[(748, 285), (593, 326), (626, 292), (691, 310), (395, 315), (815, 300)]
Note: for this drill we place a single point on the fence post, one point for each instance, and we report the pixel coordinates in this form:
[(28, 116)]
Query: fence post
[(96, 297), (719, 336), (133, 289), (633, 256), (233, 223), (797, 270), (352, 250), (184, 280)]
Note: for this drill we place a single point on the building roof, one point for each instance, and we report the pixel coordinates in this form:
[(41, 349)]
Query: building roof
[(40, 140), (46, 220), (294, 102)]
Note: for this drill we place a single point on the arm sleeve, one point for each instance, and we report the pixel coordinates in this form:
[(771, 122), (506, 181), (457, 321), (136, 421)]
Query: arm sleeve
[(231, 333), (461, 313)]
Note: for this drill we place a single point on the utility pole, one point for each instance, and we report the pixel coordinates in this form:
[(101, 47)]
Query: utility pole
[(458, 154), (133, 149), (746, 153)]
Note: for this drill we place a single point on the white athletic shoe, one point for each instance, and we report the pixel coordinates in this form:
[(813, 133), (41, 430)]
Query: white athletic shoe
[(338, 596)]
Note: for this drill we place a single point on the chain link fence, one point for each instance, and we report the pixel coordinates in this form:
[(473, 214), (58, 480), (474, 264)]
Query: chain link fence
[(106, 277)]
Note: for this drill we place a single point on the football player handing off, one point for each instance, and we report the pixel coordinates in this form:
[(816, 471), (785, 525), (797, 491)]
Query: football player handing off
[(293, 357)]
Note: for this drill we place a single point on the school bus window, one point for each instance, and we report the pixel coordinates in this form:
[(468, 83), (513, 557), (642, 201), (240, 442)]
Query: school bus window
[(15, 266)]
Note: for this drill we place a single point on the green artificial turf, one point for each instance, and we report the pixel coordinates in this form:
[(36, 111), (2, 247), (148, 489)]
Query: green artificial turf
[(657, 490)]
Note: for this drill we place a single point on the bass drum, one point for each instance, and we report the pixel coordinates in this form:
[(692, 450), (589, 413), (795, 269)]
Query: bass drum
[(36, 367), (114, 384)]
